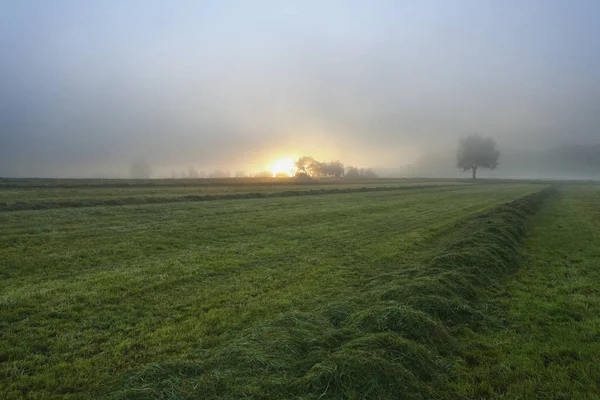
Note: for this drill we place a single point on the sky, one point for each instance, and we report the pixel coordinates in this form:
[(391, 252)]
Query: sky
[(87, 88)]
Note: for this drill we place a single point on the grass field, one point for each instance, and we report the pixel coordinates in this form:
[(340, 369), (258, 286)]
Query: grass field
[(549, 343), (18, 194), (355, 294)]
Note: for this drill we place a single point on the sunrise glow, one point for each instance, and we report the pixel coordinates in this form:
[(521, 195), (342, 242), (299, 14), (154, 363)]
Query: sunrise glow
[(283, 166)]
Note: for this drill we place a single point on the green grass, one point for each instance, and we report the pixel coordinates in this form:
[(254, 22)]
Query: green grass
[(547, 341), (391, 337), (465, 291), (166, 300), (42, 194)]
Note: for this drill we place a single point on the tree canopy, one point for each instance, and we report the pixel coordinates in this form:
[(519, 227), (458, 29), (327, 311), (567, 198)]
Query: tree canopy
[(307, 166), (362, 173), (476, 152)]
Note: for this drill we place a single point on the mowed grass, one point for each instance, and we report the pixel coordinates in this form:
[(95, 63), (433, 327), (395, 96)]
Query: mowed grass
[(547, 343), (54, 184), (41, 190), (87, 295), (16, 195)]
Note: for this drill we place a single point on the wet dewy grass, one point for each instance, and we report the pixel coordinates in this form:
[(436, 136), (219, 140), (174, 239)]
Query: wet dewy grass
[(262, 298), (547, 344), (30, 194), (48, 183), (394, 340), (408, 321), (140, 200)]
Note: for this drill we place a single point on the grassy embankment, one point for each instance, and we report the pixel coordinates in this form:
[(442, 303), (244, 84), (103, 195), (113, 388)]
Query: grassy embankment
[(295, 296)]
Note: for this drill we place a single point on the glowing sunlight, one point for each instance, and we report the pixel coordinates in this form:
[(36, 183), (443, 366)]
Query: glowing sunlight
[(284, 166)]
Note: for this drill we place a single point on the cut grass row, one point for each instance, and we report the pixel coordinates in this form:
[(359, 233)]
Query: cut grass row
[(124, 197), (99, 184), (395, 338), (547, 342), (111, 294)]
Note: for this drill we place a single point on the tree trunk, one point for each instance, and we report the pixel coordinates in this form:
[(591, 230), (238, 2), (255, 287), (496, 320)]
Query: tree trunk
[(474, 172)]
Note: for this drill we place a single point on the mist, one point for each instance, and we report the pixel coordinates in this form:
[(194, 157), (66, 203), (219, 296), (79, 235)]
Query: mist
[(88, 88)]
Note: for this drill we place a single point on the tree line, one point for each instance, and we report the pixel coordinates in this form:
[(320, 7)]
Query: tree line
[(309, 167), (474, 152)]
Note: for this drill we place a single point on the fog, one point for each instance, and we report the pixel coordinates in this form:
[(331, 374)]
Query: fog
[(88, 88)]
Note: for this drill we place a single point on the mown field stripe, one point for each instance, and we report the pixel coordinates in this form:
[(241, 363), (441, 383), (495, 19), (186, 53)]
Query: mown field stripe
[(59, 183), (42, 205), (109, 289), (399, 338)]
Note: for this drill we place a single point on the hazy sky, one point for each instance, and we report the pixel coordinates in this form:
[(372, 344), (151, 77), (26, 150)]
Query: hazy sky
[(88, 86)]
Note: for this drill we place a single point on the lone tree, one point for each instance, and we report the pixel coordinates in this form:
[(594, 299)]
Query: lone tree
[(476, 152)]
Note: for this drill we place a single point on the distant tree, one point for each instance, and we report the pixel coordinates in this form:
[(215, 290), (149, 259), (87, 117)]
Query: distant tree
[(476, 152), (307, 166), (302, 174), (332, 169), (368, 174), (282, 175), (317, 169), (174, 175), (352, 173), (239, 174), (140, 170), (336, 169)]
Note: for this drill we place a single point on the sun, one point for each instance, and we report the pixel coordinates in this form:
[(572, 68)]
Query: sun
[(283, 166)]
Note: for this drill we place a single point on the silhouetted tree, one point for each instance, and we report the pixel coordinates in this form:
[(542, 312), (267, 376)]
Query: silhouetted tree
[(476, 152), (140, 170), (302, 174), (338, 169), (333, 169), (317, 169), (307, 166)]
